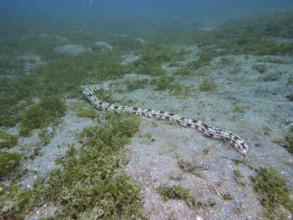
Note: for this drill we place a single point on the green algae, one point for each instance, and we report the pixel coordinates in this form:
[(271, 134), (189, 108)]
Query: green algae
[(158, 54), (238, 109), (183, 72), (205, 57), (14, 200), (272, 191), (252, 36), (271, 77), (260, 68), (105, 95), (238, 177), (227, 197), (178, 192), (168, 84), (7, 140), (49, 110), (153, 69), (11, 65), (67, 74), (86, 111), (91, 176), (136, 84), (152, 58), (287, 141), (8, 162), (127, 43), (90, 183), (14, 97), (207, 86), (64, 74), (237, 174), (189, 167)]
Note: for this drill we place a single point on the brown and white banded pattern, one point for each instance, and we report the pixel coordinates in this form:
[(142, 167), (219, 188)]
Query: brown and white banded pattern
[(207, 130)]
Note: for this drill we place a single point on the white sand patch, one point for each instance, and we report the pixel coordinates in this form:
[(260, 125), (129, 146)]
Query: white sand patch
[(71, 49)]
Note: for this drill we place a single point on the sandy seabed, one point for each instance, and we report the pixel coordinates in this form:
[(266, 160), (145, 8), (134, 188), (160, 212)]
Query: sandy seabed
[(267, 114)]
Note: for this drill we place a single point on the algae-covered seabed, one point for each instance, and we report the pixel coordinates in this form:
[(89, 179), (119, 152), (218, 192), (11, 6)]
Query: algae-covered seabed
[(237, 77)]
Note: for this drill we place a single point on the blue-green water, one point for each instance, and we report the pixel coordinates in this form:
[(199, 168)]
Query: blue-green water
[(140, 16)]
